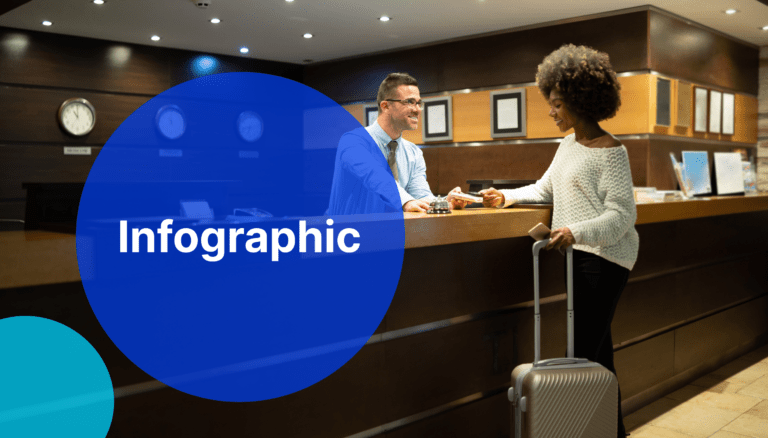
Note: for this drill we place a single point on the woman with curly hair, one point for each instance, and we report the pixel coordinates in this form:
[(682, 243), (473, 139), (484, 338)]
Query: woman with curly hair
[(590, 186)]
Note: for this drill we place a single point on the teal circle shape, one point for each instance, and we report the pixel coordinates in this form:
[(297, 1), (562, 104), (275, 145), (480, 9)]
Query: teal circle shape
[(53, 383)]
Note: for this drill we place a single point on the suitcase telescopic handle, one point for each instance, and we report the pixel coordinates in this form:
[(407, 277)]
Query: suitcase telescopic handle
[(569, 289)]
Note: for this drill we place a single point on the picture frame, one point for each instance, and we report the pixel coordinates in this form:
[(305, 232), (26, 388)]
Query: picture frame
[(700, 114), (663, 102), (729, 114), (729, 173), (437, 119), (370, 113), (715, 111), (508, 109)]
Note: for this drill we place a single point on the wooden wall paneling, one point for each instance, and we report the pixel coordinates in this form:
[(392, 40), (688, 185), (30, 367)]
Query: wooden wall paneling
[(489, 417), (438, 367), (472, 116), (643, 365), (633, 116), (712, 60), (514, 57), (745, 120), (432, 160), (31, 115), (12, 209), (508, 161), (485, 61), (423, 298), (358, 79), (357, 111), (9, 5), (54, 60), (714, 336), (45, 164)]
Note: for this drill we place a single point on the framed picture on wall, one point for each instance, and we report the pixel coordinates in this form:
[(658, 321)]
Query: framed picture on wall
[(683, 104), (437, 119), (371, 112), (663, 102), (729, 113), (700, 114), (508, 113), (715, 111)]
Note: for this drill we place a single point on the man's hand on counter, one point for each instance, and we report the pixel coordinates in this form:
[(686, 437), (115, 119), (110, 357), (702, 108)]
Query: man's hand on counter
[(416, 205), (492, 197)]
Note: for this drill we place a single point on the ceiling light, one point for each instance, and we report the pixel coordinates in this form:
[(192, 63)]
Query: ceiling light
[(289, 1), (215, 21), (308, 35), (730, 11), (98, 2), (765, 28), (47, 23), (243, 49), (384, 18), (155, 38)]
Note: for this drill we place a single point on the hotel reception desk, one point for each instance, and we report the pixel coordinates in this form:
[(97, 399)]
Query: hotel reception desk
[(462, 318)]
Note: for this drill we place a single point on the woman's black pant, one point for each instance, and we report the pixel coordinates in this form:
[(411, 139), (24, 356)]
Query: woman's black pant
[(597, 286)]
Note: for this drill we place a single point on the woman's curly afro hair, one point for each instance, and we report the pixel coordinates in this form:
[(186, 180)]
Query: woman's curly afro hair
[(584, 78)]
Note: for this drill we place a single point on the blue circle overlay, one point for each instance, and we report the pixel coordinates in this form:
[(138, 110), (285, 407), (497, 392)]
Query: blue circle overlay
[(52, 382), (240, 267)]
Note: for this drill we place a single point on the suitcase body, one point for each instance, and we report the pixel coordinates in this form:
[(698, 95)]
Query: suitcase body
[(565, 397)]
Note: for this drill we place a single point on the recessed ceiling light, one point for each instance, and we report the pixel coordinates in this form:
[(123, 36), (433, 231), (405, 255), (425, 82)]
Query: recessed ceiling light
[(289, 1), (765, 28), (47, 23), (98, 2), (215, 21), (243, 49), (730, 11), (308, 35), (384, 18), (155, 38)]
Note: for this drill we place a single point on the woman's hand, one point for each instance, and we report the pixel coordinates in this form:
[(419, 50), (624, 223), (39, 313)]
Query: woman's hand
[(492, 197), (560, 238)]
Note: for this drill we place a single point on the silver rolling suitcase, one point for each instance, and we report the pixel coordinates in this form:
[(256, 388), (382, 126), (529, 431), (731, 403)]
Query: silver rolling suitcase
[(566, 397)]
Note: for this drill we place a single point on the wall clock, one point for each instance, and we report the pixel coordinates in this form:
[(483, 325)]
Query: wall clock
[(249, 126), (77, 116), (171, 122)]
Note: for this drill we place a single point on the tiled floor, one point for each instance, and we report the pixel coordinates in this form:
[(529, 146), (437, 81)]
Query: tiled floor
[(731, 402)]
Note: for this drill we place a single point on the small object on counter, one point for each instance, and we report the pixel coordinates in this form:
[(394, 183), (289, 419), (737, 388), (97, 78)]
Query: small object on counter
[(439, 205)]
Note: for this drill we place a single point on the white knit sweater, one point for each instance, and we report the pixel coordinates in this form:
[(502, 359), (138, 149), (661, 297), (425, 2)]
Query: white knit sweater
[(591, 189)]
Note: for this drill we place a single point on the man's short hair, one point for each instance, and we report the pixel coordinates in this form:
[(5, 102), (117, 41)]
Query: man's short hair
[(390, 84)]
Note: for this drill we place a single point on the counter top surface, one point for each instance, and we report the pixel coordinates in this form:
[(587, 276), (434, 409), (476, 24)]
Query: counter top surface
[(30, 258)]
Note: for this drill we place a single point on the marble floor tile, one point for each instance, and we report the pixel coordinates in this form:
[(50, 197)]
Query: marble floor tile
[(726, 434), (753, 423), (748, 425), (649, 413), (727, 388), (758, 388), (750, 374), (730, 402), (695, 419), (650, 431)]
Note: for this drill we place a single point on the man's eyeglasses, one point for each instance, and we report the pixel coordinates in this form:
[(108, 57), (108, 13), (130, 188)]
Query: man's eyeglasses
[(419, 103)]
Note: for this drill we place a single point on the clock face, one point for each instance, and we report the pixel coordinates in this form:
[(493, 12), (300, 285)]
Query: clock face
[(170, 121), (77, 116), (249, 126)]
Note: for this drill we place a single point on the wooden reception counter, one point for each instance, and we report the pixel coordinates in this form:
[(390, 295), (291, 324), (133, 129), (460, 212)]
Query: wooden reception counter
[(440, 362)]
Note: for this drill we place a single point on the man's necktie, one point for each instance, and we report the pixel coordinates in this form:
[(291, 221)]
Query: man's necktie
[(391, 158)]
